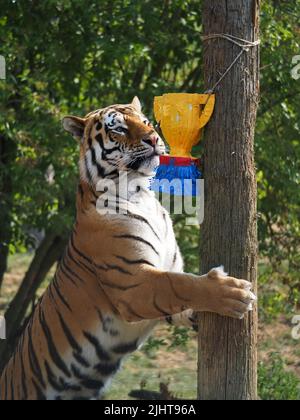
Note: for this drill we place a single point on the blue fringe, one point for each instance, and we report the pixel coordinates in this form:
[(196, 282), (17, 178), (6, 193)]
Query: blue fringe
[(177, 175)]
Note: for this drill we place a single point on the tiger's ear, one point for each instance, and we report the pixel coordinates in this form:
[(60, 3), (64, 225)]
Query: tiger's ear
[(136, 103), (74, 126)]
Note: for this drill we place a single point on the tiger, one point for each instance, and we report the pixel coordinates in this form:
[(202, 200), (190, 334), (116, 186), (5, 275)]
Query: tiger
[(121, 274)]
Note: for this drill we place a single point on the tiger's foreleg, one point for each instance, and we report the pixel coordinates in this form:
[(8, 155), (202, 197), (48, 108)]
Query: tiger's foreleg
[(150, 294)]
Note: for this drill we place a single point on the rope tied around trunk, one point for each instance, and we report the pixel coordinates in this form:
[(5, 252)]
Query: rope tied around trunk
[(244, 44)]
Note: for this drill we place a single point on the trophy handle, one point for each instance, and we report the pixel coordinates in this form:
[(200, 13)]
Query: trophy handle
[(209, 102), (157, 108)]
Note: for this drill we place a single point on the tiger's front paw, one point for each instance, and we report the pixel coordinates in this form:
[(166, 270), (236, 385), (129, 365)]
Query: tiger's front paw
[(228, 296)]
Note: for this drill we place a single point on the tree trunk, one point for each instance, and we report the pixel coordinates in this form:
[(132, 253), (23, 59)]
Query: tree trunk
[(7, 155), (46, 255), (228, 348)]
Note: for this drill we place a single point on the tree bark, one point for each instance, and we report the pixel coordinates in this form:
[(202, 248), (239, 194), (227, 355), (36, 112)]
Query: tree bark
[(47, 254), (228, 348)]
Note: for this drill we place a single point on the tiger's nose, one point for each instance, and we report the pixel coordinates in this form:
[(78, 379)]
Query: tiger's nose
[(151, 140)]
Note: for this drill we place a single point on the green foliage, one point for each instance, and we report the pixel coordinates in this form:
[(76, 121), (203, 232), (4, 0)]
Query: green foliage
[(87, 56), (152, 345), (278, 143), (275, 383), (188, 238), (275, 296), (178, 337)]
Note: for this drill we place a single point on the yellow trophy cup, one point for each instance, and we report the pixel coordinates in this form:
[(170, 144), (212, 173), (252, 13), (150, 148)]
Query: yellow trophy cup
[(182, 117)]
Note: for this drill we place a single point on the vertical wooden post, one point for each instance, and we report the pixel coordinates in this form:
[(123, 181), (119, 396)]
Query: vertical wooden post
[(227, 348)]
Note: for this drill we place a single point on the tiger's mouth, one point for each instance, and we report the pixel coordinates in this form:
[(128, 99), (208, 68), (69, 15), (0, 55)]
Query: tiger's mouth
[(149, 160), (155, 153), (158, 150)]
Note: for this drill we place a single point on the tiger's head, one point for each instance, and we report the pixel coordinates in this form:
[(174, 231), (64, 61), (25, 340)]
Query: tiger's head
[(114, 139)]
